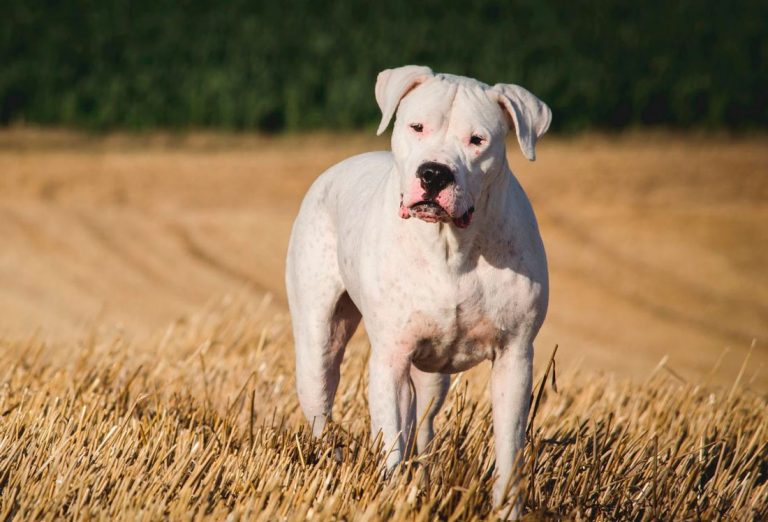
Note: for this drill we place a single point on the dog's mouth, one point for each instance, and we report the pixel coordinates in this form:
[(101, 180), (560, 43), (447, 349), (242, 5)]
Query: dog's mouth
[(428, 211), (431, 212), (465, 219)]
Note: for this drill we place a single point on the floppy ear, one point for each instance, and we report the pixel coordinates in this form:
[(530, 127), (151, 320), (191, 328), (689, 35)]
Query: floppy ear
[(530, 115), (392, 85)]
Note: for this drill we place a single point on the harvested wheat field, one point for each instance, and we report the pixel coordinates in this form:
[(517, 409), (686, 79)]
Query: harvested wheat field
[(146, 358)]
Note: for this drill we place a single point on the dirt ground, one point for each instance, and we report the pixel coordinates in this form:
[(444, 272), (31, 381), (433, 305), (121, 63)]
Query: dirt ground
[(657, 243)]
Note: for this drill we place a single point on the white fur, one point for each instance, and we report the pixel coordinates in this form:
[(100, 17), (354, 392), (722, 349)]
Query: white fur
[(436, 299)]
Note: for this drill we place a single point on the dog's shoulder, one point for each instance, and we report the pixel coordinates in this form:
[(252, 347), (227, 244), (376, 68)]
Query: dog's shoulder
[(357, 173)]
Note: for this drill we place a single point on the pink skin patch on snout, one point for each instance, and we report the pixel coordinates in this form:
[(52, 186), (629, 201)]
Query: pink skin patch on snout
[(404, 213)]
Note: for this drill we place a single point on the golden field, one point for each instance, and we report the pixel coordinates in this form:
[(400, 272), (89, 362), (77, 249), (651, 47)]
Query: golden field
[(147, 361)]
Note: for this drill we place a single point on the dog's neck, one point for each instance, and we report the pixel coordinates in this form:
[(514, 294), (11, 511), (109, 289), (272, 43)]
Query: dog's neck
[(446, 243)]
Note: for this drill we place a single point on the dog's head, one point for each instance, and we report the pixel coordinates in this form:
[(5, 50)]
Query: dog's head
[(449, 137)]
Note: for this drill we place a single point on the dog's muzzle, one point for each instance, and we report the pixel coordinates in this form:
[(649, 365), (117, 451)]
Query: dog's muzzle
[(434, 178)]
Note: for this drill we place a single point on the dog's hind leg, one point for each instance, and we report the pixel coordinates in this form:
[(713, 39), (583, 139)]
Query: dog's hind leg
[(431, 389)]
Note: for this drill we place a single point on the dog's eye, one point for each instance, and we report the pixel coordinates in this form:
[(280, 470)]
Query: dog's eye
[(417, 127), (476, 140)]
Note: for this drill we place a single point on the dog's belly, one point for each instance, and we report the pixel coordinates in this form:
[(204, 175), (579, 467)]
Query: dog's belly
[(450, 346)]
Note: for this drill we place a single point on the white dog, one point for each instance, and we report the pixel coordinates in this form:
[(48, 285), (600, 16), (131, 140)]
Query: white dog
[(463, 282)]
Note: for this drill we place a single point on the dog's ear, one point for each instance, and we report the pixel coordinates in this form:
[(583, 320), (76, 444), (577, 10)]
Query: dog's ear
[(530, 116), (392, 85)]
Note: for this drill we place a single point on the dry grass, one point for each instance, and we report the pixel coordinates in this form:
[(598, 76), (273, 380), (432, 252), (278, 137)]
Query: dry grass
[(202, 421), (653, 251)]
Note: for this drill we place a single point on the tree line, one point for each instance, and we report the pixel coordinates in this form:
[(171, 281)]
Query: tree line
[(301, 64)]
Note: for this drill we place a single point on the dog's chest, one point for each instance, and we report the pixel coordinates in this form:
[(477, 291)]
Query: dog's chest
[(457, 332)]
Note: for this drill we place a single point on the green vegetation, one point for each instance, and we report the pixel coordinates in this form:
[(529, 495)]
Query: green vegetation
[(299, 64)]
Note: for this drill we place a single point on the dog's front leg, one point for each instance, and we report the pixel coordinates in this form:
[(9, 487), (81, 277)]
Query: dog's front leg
[(510, 395), (391, 402)]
